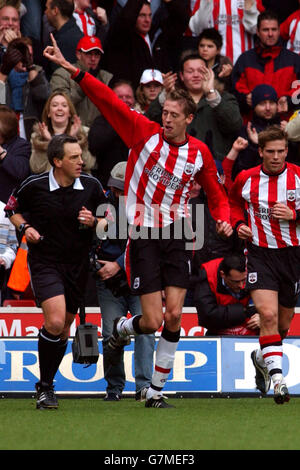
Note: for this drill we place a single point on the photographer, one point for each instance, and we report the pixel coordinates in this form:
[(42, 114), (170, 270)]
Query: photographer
[(115, 300)]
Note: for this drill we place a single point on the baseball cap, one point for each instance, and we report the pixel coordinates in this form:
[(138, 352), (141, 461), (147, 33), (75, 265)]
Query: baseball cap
[(89, 43), (117, 176), (263, 92), (151, 75)]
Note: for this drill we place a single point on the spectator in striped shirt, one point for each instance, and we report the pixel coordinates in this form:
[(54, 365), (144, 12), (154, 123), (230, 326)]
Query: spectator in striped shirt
[(270, 193), (234, 19)]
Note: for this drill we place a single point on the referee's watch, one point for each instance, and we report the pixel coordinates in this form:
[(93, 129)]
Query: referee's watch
[(21, 228)]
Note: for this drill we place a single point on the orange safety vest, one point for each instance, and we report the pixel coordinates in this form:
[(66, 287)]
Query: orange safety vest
[(19, 276)]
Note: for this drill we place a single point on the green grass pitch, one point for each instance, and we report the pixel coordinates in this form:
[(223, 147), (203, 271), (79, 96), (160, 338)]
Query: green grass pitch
[(194, 423)]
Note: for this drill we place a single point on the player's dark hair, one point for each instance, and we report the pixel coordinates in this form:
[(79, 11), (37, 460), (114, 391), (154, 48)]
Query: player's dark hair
[(271, 133), (213, 35), (233, 261), (56, 146)]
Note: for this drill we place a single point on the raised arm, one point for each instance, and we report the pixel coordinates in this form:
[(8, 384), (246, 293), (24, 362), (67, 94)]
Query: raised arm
[(130, 125)]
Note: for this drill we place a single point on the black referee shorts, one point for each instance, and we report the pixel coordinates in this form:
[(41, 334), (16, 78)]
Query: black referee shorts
[(275, 269), (51, 279), (153, 264)]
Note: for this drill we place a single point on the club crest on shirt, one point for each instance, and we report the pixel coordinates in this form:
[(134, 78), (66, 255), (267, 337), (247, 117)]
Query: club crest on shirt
[(240, 4), (291, 195), (252, 278), (189, 168)]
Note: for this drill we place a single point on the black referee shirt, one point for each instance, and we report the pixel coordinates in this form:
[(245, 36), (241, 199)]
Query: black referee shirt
[(53, 211)]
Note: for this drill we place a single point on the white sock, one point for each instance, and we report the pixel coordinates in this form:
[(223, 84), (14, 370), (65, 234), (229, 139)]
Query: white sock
[(165, 355), (125, 327)]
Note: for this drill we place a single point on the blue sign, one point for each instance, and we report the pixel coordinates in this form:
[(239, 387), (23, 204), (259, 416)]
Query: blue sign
[(238, 373), (196, 368), (204, 365)]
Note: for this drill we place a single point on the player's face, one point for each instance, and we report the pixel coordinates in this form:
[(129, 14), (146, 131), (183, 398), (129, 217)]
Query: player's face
[(175, 121), (235, 280), (274, 154), (268, 33), (70, 166)]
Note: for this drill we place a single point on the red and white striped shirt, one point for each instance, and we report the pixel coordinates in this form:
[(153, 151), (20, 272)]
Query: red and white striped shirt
[(159, 174), (257, 191), (229, 18), (290, 32), (85, 22)]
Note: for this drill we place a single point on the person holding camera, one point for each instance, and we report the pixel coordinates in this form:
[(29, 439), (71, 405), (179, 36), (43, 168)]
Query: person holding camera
[(116, 299)]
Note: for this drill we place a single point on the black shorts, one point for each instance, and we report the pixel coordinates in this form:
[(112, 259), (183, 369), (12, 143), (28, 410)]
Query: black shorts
[(154, 264), (51, 279), (275, 269)]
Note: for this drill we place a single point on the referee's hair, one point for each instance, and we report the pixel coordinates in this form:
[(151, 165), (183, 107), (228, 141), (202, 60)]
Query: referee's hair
[(233, 261), (56, 146)]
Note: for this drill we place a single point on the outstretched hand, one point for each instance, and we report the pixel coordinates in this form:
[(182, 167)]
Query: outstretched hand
[(53, 53)]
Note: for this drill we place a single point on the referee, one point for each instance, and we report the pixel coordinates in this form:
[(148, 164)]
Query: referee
[(55, 210)]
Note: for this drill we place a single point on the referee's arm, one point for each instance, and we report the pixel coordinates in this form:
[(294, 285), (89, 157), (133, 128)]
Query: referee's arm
[(24, 228)]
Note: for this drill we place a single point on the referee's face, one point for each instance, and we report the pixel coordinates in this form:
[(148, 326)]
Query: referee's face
[(70, 166)]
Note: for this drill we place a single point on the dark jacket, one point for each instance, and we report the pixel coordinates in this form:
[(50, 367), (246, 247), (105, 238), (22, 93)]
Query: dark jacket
[(126, 53), (14, 168), (277, 66), (107, 147), (282, 8), (218, 310), (67, 38)]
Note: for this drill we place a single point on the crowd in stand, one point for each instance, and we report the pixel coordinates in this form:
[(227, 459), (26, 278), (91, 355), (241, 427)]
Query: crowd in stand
[(238, 60)]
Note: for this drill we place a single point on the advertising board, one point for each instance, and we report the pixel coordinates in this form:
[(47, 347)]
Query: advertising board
[(197, 368)]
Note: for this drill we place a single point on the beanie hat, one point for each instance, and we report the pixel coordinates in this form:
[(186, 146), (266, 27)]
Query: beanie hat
[(263, 92)]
